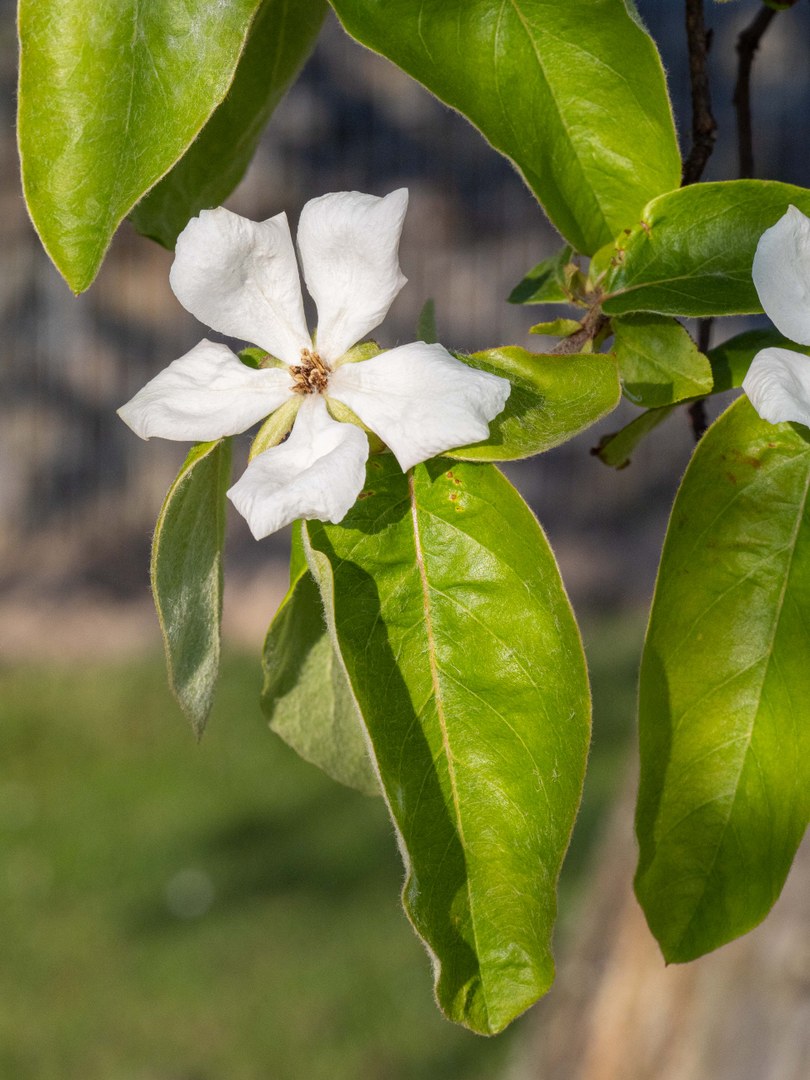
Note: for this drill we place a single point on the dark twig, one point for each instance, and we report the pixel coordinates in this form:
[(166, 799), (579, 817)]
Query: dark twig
[(697, 410), (704, 126), (704, 133), (747, 45)]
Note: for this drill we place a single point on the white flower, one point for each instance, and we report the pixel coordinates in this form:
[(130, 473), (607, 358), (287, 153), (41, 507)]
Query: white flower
[(240, 277), (778, 381)]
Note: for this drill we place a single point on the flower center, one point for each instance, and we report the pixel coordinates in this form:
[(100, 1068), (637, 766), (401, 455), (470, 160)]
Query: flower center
[(311, 376)]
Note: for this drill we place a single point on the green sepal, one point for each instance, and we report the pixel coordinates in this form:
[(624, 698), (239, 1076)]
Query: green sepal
[(186, 575), (445, 604), (256, 358), (552, 399), (365, 350), (725, 746), (305, 695), (659, 362), (276, 427), (281, 38)]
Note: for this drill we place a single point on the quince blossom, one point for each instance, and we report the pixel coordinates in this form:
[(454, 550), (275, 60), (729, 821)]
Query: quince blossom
[(241, 278), (778, 381)]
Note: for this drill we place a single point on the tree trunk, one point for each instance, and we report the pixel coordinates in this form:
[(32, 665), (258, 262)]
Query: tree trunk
[(618, 1013)]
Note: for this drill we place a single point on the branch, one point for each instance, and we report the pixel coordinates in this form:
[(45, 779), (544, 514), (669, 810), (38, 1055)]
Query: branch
[(747, 45), (704, 126), (698, 417), (591, 326)]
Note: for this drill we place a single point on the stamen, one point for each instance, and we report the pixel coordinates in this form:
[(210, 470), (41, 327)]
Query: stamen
[(311, 376)]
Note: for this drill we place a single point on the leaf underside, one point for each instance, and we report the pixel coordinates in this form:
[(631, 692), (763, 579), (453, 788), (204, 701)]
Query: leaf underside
[(186, 573)]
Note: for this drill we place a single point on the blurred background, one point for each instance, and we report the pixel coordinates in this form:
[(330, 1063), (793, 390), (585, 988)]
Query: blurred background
[(223, 912)]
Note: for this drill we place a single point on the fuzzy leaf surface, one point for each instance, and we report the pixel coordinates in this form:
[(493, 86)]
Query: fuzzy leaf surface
[(280, 40), (111, 96), (186, 575), (725, 743), (447, 608), (573, 93), (692, 253), (553, 398)]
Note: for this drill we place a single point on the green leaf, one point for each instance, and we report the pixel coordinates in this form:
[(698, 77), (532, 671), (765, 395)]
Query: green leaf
[(573, 93), (731, 360), (281, 38), (546, 283), (426, 326), (616, 449), (693, 251), (556, 328), (729, 363), (306, 696), (553, 398), (187, 576), (658, 362), (111, 95), (446, 605), (725, 744)]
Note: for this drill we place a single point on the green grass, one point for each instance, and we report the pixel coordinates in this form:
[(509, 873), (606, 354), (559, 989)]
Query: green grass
[(171, 911)]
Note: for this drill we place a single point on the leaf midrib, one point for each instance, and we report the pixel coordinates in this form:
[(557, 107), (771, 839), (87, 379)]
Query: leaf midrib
[(440, 715)]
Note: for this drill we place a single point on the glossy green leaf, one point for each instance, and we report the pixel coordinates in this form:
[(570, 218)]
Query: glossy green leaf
[(659, 362), (111, 96), (187, 576), (693, 251), (725, 743), (616, 449), (553, 398), (729, 364), (306, 696), (731, 360), (573, 93), (545, 283), (281, 38), (446, 606)]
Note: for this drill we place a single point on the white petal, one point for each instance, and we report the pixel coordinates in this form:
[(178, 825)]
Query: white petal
[(204, 395), (778, 386), (348, 244), (241, 278), (317, 473), (420, 400), (781, 273)]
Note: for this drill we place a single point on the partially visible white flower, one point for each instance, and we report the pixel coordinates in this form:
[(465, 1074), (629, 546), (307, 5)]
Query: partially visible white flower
[(241, 278), (778, 381)]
